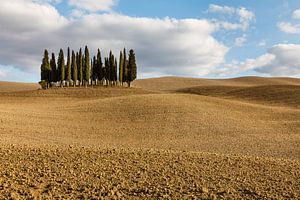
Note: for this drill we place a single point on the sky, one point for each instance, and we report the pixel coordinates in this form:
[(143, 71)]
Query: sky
[(189, 38)]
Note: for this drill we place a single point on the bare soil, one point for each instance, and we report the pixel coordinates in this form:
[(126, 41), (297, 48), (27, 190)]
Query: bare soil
[(169, 138)]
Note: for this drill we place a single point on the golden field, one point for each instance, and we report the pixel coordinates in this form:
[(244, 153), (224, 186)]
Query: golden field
[(168, 138)]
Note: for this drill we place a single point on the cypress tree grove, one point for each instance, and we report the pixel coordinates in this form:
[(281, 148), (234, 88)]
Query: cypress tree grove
[(121, 68), (80, 67), (53, 69), (46, 69), (86, 66), (74, 68), (131, 67), (61, 66), (68, 72), (85, 71)]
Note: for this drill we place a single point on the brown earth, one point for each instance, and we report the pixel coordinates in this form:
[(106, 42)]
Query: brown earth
[(176, 138)]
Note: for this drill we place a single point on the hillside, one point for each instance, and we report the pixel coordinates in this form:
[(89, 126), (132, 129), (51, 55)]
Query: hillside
[(201, 138), (13, 87), (178, 83)]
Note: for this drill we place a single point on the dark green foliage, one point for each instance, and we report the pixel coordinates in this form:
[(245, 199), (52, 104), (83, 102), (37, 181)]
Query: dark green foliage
[(80, 67), (45, 68), (99, 68), (106, 70), (61, 66), (86, 65), (121, 63), (112, 70), (115, 71), (74, 68), (54, 77), (68, 68), (131, 67), (125, 65), (94, 69)]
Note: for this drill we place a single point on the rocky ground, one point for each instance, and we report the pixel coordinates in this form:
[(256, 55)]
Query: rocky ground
[(71, 173)]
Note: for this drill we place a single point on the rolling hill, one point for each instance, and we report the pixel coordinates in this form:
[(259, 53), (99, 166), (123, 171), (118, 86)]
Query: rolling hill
[(164, 138)]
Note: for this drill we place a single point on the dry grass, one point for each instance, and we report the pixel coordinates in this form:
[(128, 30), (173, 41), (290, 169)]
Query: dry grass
[(13, 87), (280, 95), (147, 143)]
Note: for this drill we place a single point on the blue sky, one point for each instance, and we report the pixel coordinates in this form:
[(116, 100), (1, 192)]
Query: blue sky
[(214, 39)]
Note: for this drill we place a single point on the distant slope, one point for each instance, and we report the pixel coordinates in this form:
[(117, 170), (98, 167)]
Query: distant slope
[(178, 83), (284, 95), (15, 87), (267, 91)]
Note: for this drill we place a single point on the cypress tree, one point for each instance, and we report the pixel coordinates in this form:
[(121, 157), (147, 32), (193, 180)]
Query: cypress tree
[(68, 71), (131, 67), (53, 69), (112, 67), (74, 68), (94, 70), (99, 67), (116, 71), (46, 69), (125, 65), (121, 68), (80, 67), (61, 66), (106, 71), (86, 65)]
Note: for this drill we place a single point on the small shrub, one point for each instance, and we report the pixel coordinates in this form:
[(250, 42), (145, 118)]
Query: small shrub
[(43, 84)]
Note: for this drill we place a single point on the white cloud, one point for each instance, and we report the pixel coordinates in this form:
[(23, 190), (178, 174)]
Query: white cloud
[(286, 61), (27, 16), (240, 41), (27, 28), (280, 60), (48, 1), (296, 14), (93, 5), (262, 43), (2, 74), (244, 15), (221, 9), (163, 46), (289, 28), (167, 46)]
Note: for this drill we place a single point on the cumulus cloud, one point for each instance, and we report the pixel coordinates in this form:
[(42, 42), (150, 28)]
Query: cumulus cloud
[(245, 16), (262, 43), (26, 28), (221, 9), (2, 74), (93, 5), (286, 61), (289, 28), (240, 41), (163, 46), (296, 14), (280, 60)]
